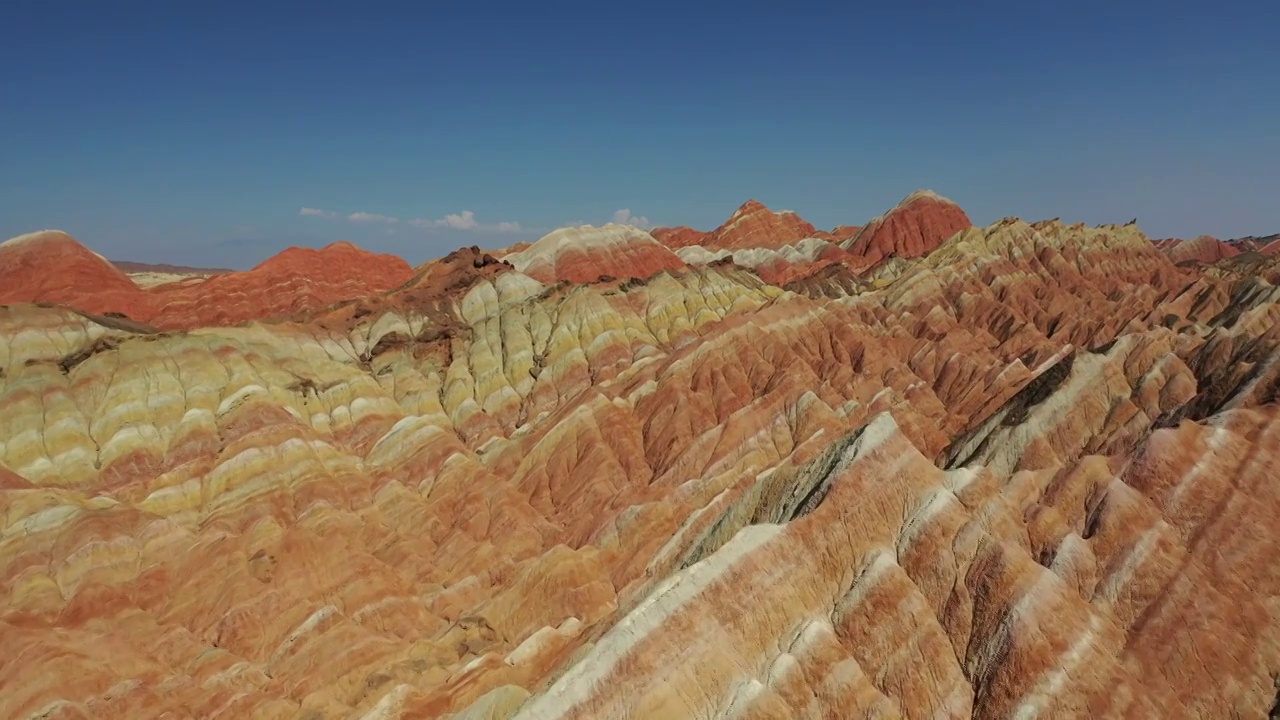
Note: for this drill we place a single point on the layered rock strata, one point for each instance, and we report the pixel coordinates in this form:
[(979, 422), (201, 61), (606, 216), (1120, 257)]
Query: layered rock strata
[(1030, 474)]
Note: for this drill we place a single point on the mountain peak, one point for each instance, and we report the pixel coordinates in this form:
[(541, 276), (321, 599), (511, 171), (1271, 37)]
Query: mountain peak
[(52, 266), (916, 226), (925, 194), (44, 239), (586, 252)]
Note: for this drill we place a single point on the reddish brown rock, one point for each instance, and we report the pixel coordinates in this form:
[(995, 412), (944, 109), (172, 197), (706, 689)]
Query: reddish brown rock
[(293, 281), (1204, 250), (751, 226), (917, 226), (681, 236), (1030, 474), (51, 267), (845, 232), (587, 253)]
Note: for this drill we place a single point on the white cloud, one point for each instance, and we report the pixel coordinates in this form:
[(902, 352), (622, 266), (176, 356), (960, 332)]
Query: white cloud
[(465, 221), (371, 217), (318, 213), (624, 217)]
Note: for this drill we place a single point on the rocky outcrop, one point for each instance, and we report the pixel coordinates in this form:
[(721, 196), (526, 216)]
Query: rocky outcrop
[(1029, 474), (914, 228)]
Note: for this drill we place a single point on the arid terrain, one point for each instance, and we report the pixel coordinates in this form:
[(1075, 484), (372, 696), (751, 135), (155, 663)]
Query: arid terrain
[(903, 468)]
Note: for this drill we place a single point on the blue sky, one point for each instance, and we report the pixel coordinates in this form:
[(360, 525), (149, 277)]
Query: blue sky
[(156, 131)]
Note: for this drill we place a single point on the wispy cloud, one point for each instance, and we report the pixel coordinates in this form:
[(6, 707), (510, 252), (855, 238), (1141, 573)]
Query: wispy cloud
[(465, 221), (364, 217), (624, 217)]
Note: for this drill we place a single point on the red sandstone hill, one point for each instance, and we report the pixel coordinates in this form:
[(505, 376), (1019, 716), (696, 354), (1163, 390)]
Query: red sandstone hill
[(1205, 250), (52, 267), (295, 280), (751, 226), (914, 228), (680, 236), (1030, 475), (770, 242), (586, 253)]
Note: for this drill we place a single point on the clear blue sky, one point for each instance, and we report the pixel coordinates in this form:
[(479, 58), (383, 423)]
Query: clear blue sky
[(197, 132)]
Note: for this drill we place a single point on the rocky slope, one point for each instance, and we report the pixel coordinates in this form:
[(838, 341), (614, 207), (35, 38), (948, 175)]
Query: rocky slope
[(1030, 474)]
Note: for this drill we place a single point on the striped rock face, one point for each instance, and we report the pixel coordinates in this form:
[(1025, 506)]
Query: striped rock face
[(1031, 474), (914, 228)]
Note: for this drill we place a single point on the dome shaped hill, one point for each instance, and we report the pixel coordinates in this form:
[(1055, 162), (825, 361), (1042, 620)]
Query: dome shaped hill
[(753, 226), (339, 262), (51, 266), (584, 254), (914, 228), (295, 280)]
